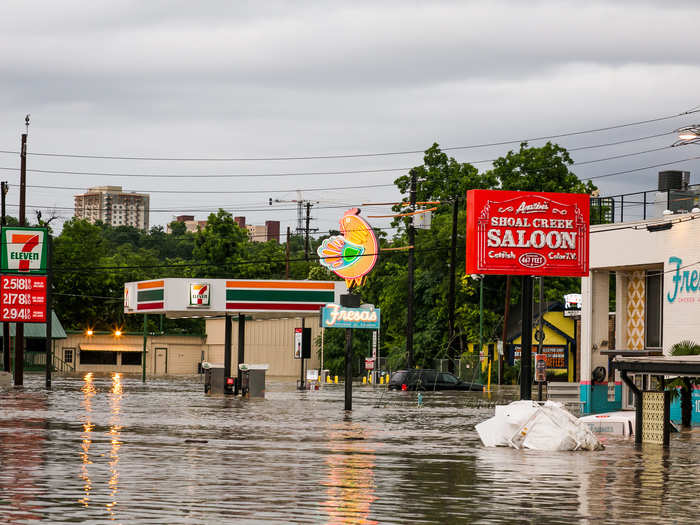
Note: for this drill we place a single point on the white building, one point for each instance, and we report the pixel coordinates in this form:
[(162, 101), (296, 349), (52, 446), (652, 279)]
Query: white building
[(113, 206), (654, 268)]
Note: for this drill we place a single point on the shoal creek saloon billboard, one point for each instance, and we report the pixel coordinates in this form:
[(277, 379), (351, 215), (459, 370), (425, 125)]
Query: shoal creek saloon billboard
[(526, 233)]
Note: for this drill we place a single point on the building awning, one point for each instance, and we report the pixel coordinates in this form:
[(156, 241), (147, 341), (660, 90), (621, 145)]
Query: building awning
[(110, 348), (681, 365)]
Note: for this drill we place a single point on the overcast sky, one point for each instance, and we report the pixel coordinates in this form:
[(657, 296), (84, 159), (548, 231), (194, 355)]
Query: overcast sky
[(278, 79)]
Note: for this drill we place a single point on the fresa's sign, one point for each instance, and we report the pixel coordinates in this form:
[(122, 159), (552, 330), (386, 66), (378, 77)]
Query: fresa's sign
[(336, 316), (526, 233)]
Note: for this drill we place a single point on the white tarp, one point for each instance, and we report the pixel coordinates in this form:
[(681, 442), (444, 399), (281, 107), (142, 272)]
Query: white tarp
[(526, 424)]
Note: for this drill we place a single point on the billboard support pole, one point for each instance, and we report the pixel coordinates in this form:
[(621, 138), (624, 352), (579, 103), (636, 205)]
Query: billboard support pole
[(348, 369), (526, 338), (540, 339), (49, 315), (19, 327), (5, 326)]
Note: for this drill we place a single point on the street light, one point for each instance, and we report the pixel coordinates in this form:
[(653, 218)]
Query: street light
[(688, 135)]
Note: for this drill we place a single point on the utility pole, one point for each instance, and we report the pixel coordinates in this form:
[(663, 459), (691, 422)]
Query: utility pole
[(5, 326), (19, 327), (286, 251), (308, 219), (451, 292), (409, 306)]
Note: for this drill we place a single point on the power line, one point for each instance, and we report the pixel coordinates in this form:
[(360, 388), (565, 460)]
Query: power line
[(353, 155), (226, 192), (340, 188), (640, 169), (325, 173)]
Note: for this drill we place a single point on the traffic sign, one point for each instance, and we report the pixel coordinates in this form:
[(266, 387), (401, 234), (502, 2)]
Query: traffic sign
[(23, 298)]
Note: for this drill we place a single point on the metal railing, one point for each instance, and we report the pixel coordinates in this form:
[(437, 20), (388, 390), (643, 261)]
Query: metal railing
[(642, 205)]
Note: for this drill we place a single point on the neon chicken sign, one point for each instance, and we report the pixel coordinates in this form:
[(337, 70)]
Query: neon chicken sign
[(353, 254)]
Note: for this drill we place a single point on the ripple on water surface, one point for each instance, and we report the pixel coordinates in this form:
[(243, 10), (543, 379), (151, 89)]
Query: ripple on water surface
[(101, 449)]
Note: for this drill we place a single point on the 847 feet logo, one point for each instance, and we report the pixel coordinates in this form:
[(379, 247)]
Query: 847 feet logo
[(23, 250)]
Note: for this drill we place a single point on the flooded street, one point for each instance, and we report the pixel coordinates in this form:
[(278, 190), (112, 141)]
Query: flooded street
[(112, 449)]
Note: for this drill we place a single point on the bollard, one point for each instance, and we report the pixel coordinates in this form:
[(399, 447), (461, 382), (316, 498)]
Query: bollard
[(364, 380), (329, 380), (381, 380), (336, 380)]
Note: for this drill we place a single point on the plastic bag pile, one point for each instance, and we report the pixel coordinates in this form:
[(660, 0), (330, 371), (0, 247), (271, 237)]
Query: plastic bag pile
[(526, 424)]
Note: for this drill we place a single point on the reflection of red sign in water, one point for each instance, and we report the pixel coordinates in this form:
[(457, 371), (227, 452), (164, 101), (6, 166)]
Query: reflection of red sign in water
[(23, 299), (526, 233)]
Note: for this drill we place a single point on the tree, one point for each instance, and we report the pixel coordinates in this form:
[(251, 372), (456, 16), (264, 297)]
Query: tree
[(443, 178), (80, 246), (544, 168), (219, 248), (685, 383)]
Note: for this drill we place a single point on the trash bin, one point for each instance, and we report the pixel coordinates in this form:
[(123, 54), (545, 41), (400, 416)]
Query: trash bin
[(214, 381), (252, 379)]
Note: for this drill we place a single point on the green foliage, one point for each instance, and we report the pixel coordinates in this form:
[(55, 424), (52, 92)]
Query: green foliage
[(685, 348), (539, 169)]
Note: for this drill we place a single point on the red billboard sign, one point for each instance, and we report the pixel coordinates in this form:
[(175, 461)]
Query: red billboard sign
[(23, 298), (526, 233)]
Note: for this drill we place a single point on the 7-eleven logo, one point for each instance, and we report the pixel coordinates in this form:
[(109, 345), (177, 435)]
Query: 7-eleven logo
[(23, 250), (199, 294)]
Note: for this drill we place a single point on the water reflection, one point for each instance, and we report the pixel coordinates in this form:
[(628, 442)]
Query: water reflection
[(22, 446), (88, 389), (115, 399), (116, 393), (350, 481)]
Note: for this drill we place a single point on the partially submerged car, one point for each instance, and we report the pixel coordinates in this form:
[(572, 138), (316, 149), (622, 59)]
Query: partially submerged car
[(426, 379)]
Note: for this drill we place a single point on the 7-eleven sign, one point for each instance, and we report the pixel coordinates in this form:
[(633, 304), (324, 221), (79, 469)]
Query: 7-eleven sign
[(23, 249), (199, 294)]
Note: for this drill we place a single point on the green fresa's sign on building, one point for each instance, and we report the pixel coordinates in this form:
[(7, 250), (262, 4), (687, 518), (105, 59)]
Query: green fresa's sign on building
[(23, 250)]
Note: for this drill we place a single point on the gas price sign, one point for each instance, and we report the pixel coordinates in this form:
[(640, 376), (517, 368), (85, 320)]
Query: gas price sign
[(23, 298)]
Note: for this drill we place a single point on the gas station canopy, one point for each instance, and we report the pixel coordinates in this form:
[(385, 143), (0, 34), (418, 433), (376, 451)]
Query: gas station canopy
[(262, 299)]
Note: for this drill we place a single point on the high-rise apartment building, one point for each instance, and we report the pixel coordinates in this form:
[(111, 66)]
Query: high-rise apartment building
[(113, 206)]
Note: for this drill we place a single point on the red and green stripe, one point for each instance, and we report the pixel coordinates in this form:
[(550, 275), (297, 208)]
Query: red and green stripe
[(150, 295), (278, 295)]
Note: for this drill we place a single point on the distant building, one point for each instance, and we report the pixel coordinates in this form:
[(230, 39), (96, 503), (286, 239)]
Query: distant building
[(270, 231), (191, 225), (113, 206)]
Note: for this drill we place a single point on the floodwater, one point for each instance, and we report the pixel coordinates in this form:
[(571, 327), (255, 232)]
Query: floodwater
[(100, 450)]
